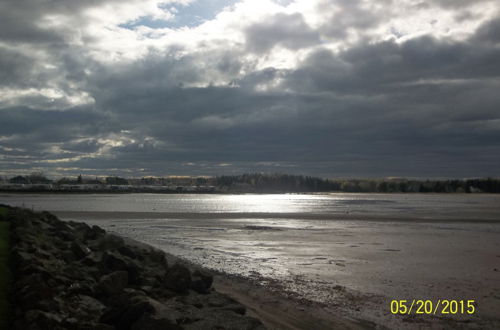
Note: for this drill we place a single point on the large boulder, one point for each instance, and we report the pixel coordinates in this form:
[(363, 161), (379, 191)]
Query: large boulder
[(224, 319), (80, 250), (201, 282), (112, 262), (126, 309), (110, 242), (94, 233), (112, 284), (37, 319), (154, 322), (178, 278), (127, 251)]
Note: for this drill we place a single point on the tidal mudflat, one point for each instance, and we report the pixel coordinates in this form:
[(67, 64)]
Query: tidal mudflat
[(349, 253)]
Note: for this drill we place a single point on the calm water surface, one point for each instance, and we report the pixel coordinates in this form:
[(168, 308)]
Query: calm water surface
[(364, 206)]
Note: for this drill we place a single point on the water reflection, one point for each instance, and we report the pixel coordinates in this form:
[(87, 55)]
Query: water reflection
[(339, 206)]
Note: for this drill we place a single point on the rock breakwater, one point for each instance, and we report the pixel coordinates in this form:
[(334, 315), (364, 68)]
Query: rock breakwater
[(69, 275)]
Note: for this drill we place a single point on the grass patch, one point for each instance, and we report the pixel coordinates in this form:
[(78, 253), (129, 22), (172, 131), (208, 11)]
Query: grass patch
[(4, 269), (3, 212)]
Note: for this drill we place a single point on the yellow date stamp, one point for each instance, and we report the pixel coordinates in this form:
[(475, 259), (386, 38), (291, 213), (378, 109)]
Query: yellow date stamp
[(430, 307)]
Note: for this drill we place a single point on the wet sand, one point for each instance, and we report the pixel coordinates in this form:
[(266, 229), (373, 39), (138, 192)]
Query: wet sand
[(350, 269)]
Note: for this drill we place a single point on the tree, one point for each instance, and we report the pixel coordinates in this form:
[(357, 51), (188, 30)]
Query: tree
[(38, 177), (116, 180), (19, 179)]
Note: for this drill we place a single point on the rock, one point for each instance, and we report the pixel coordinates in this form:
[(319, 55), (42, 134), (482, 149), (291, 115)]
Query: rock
[(161, 316), (113, 283), (89, 305), (22, 259), (93, 259), (79, 227), (67, 236), (97, 326), (42, 320), (61, 245), (220, 319), (48, 305), (128, 252), (224, 302), (80, 251), (113, 262), (93, 233), (201, 282), (178, 278), (152, 322), (217, 299), (29, 296), (236, 307), (29, 280), (78, 288), (134, 273), (55, 222), (127, 309), (42, 254), (157, 257), (67, 256), (110, 242)]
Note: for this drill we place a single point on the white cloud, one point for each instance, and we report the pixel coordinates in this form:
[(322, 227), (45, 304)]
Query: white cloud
[(44, 98)]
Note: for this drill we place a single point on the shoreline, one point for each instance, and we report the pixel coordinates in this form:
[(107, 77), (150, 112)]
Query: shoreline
[(277, 192), (272, 305), (276, 311), (68, 275), (268, 305)]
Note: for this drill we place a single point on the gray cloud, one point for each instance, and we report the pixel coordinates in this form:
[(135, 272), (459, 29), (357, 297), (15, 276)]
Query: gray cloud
[(453, 4), (489, 32), (289, 31), (16, 68), (427, 106), (345, 16), (384, 65)]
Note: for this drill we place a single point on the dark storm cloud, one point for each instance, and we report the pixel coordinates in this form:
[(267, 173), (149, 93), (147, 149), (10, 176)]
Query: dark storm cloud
[(372, 67), (15, 67), (25, 127), (378, 103)]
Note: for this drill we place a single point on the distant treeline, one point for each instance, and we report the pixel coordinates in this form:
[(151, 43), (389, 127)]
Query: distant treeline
[(261, 183), (298, 183)]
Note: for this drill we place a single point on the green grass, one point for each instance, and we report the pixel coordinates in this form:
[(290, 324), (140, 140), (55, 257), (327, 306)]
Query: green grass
[(3, 212), (4, 269)]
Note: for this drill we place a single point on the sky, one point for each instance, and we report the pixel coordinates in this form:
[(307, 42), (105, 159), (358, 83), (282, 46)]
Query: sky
[(339, 88)]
